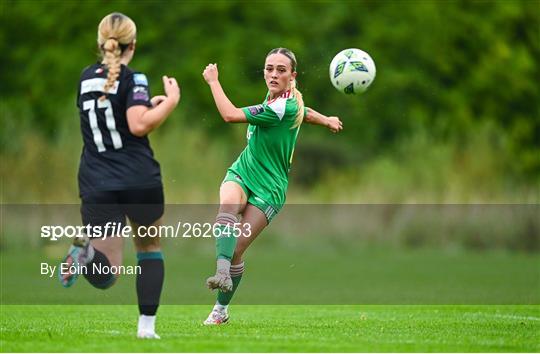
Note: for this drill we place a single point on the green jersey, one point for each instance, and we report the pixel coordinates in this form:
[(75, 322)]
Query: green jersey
[(265, 162)]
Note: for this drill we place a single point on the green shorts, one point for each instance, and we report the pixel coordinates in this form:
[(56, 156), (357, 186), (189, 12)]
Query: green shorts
[(268, 209)]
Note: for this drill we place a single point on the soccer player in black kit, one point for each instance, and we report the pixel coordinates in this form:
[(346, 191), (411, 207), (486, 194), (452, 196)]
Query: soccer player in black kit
[(118, 175)]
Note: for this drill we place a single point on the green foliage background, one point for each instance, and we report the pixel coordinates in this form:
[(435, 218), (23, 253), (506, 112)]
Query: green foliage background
[(453, 115)]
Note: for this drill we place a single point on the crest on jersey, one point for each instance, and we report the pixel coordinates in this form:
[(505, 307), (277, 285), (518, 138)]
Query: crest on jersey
[(140, 79), (254, 110), (140, 93)]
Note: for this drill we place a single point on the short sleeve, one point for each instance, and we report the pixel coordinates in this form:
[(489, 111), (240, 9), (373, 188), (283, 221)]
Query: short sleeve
[(138, 92)]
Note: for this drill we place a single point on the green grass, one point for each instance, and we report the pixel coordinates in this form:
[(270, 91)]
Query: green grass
[(297, 295), (306, 274), (95, 328)]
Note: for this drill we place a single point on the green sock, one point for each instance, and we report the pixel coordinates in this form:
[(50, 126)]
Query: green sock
[(225, 243), (225, 298)]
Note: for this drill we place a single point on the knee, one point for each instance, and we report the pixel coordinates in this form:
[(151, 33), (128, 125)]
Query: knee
[(229, 207)]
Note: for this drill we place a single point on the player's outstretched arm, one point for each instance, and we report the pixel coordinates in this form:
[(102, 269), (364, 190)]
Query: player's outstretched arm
[(142, 120), (229, 112), (333, 123)]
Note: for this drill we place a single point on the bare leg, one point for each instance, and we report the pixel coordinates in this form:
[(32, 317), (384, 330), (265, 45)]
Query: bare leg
[(257, 221), (111, 247)]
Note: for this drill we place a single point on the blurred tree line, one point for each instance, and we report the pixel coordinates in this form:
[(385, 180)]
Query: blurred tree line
[(447, 71)]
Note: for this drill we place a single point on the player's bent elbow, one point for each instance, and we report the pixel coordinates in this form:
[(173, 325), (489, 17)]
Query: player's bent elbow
[(228, 118), (138, 129), (237, 116), (137, 121)]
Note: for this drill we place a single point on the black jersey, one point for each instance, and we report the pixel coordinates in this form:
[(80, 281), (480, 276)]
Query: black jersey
[(112, 157)]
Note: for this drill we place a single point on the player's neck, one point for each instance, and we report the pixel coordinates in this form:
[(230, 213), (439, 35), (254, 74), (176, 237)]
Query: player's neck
[(125, 60), (278, 94)]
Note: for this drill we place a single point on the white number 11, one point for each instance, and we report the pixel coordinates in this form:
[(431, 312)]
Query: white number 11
[(90, 106)]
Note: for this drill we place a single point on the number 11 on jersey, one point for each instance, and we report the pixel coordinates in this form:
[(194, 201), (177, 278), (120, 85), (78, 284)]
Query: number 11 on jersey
[(90, 106)]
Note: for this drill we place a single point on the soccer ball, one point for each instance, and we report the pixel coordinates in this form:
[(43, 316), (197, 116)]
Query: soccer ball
[(352, 71)]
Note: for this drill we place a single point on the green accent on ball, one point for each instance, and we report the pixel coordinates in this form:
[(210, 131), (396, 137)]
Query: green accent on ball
[(357, 66), (349, 89), (340, 68), (349, 53)]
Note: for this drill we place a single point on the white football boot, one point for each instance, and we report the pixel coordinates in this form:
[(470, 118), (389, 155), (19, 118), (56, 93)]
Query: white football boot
[(217, 317)]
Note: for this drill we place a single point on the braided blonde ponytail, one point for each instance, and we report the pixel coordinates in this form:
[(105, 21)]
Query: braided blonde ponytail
[(115, 32), (300, 102), (111, 58)]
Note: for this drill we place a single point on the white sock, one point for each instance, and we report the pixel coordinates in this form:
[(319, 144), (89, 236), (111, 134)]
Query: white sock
[(147, 324), (220, 308)]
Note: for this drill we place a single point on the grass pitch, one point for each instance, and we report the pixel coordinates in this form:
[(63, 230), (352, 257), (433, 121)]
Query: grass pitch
[(304, 298), (279, 328)]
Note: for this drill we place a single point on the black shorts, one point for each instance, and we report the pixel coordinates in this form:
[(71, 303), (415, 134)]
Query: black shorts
[(142, 206)]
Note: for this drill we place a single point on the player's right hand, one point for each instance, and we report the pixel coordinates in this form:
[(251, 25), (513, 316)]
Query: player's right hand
[(210, 73), (172, 90)]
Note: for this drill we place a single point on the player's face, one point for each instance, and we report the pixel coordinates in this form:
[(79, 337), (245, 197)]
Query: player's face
[(278, 73)]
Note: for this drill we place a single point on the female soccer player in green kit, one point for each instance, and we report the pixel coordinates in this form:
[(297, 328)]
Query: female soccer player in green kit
[(255, 185)]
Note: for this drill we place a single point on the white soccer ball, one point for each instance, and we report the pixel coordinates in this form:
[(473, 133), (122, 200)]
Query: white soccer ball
[(352, 71)]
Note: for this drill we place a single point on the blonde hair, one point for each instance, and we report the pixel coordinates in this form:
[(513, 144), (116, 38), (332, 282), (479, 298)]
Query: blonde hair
[(115, 33), (294, 91)]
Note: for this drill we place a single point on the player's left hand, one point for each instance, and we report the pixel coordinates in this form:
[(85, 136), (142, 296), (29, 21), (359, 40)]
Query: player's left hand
[(334, 124), (157, 100)]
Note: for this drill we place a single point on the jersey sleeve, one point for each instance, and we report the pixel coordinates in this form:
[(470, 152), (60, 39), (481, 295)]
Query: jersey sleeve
[(138, 92), (266, 115)]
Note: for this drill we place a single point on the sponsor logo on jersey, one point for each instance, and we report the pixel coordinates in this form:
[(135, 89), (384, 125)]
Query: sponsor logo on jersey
[(96, 85), (254, 110), (140, 79), (140, 93)]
